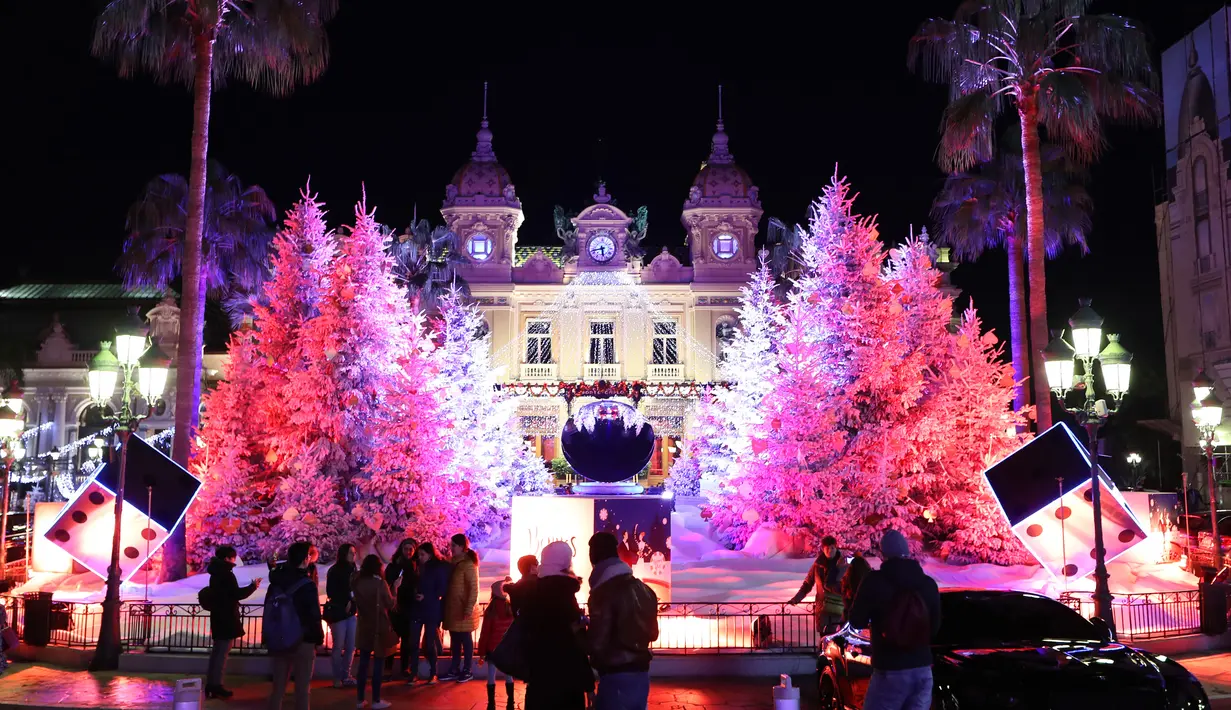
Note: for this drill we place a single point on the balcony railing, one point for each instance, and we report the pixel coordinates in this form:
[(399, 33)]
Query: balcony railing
[(665, 373), (539, 372), (594, 372)]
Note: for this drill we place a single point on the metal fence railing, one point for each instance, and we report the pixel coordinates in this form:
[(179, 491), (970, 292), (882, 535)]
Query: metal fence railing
[(684, 628), (1152, 615)]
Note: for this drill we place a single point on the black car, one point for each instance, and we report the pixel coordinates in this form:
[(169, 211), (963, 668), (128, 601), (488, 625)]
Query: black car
[(999, 649)]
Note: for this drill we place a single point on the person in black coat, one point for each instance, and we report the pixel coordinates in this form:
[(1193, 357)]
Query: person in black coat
[(306, 599), (225, 622), (404, 567), (560, 676), (428, 611)]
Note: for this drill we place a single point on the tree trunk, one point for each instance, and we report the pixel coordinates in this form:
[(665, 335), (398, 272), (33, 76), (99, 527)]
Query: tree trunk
[(192, 301), (1036, 255), (1019, 339)]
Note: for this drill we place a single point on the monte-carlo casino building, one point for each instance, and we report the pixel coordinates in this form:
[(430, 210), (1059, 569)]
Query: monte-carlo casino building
[(600, 320)]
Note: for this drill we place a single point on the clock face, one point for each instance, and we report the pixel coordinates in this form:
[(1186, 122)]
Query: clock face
[(601, 247)]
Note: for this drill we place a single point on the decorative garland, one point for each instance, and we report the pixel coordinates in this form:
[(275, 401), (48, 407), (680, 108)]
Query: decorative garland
[(602, 389), (33, 431), (589, 415)]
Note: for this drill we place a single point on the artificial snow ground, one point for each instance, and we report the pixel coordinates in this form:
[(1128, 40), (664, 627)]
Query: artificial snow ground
[(702, 570)]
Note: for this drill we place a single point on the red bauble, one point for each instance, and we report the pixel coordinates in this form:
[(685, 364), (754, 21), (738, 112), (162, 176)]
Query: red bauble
[(776, 424), (706, 513)]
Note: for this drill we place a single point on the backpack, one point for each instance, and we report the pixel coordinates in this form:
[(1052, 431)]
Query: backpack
[(906, 623), (205, 598), (280, 626), (646, 603)]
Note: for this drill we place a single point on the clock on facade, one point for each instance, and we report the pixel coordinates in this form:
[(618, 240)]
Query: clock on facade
[(601, 247), (725, 246)]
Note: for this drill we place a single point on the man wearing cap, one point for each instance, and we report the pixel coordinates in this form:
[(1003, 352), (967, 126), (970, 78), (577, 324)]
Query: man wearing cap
[(901, 606)]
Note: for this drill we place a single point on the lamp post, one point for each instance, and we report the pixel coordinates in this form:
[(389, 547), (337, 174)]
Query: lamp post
[(1134, 462), (144, 374), (1207, 415), (12, 424), (1115, 362)]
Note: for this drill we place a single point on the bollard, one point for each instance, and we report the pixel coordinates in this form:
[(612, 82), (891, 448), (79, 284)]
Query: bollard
[(786, 696), (188, 695)]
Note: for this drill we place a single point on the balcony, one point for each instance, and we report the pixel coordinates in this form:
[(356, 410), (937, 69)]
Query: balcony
[(539, 372), (664, 373), (594, 373)]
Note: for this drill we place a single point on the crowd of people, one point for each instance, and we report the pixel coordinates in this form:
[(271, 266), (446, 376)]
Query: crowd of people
[(390, 612), (898, 603)]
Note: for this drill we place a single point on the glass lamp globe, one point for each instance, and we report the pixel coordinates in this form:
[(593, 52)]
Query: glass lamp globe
[(104, 370), (1087, 330), (13, 398), (1208, 412), (10, 424), (1117, 366), (1058, 360), (152, 375), (19, 452), (130, 340), (1202, 385)]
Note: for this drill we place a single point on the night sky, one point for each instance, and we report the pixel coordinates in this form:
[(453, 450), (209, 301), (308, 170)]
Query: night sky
[(628, 95)]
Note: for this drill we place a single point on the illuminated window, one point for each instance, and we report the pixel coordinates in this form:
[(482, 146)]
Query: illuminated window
[(666, 343), (479, 247), (725, 246), (538, 342), (602, 342), (724, 336)]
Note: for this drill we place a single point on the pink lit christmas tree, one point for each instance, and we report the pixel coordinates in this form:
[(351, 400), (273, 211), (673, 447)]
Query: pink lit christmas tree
[(237, 458), (227, 459), (352, 350), (856, 433), (491, 462), (727, 421)]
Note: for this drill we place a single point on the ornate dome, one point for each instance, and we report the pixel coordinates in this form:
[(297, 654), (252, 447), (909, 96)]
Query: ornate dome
[(483, 179), (1197, 101), (720, 179)]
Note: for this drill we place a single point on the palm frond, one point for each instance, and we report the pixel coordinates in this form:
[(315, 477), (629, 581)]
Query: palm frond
[(1113, 44), (238, 230), (966, 131), (1070, 115)]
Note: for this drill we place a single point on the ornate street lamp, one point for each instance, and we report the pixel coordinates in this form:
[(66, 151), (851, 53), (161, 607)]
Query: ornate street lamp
[(1207, 415), (12, 424), (1116, 365), (141, 371)]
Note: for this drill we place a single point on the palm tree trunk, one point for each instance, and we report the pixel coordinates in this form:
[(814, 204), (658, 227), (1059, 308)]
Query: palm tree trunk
[(1035, 256), (192, 302), (1019, 340)]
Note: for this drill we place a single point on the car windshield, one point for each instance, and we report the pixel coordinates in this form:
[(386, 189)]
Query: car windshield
[(1007, 618)]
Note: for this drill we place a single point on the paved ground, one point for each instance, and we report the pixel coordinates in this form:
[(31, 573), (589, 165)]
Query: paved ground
[(33, 687)]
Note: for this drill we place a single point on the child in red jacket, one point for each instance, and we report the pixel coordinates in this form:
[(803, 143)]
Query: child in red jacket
[(497, 619)]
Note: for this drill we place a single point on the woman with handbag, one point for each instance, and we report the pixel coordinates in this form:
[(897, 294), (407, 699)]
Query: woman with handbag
[(558, 674), (339, 613), (403, 569), (374, 633), (826, 575)]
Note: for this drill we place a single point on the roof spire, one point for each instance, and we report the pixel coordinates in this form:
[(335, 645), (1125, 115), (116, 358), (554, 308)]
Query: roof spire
[(483, 152), (718, 149)]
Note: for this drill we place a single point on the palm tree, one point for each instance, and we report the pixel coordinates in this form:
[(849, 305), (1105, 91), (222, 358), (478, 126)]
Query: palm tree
[(271, 44), (985, 208), (1065, 72), (239, 226), (426, 260)]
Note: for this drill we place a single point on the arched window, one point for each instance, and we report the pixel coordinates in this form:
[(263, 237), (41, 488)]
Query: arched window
[(724, 336), (1201, 212)]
